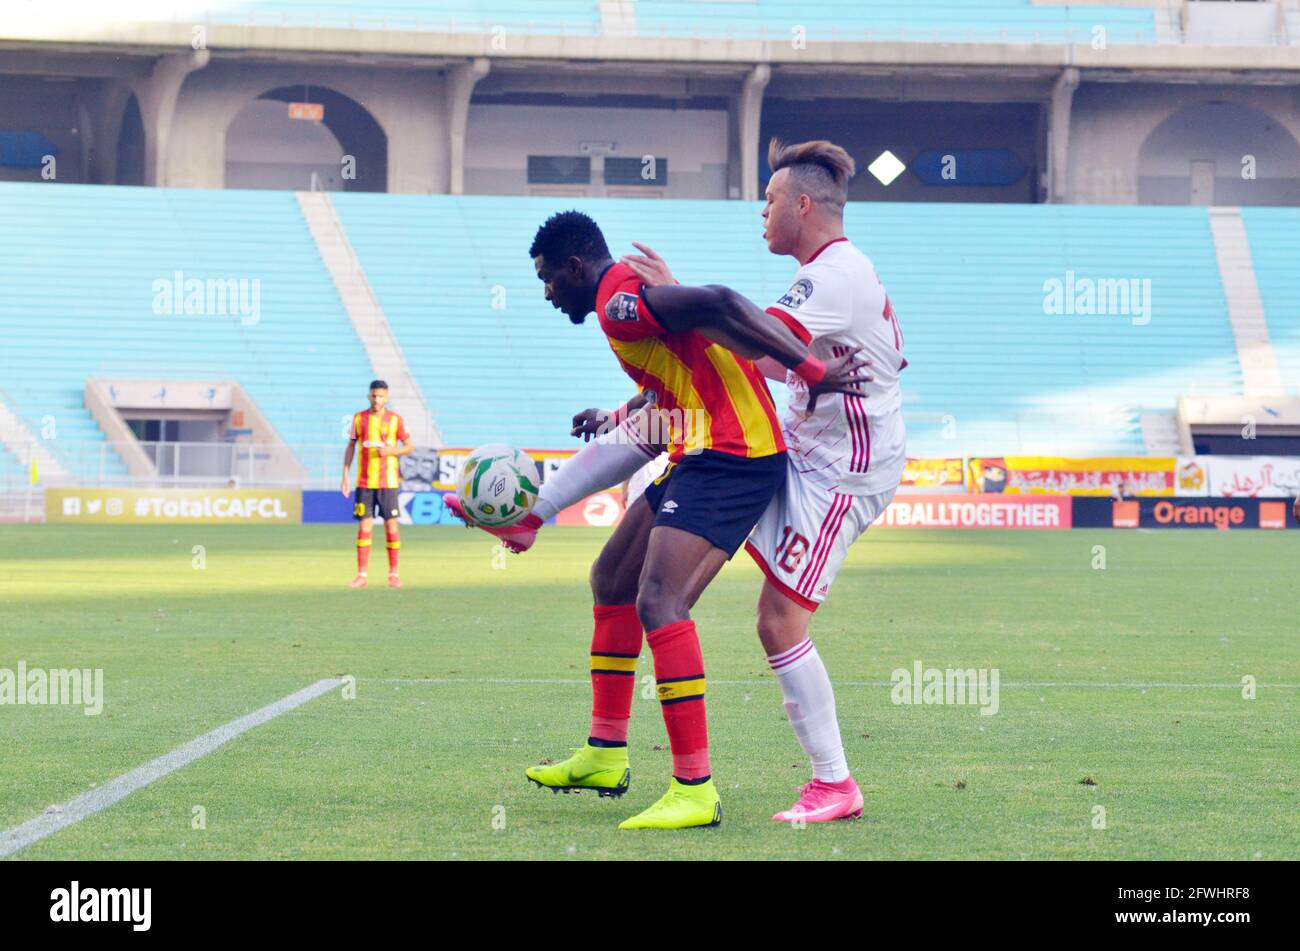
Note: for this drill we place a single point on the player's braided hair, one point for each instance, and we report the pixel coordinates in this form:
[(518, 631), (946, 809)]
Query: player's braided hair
[(569, 234), (820, 169)]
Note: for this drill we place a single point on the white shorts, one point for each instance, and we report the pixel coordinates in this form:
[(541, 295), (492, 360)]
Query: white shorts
[(639, 480), (805, 533)]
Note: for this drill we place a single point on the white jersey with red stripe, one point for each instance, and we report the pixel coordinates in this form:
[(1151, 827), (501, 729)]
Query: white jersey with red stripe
[(852, 445)]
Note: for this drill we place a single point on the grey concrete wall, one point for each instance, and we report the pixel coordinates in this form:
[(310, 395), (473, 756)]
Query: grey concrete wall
[(408, 105), (1110, 123), (500, 138)]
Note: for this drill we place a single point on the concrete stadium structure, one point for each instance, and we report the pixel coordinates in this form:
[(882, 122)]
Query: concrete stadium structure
[(1202, 108)]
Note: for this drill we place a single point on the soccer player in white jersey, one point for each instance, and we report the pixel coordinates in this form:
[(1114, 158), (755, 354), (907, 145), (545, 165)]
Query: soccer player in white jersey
[(846, 456)]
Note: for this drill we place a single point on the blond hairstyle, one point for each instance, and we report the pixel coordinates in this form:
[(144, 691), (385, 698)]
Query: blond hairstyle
[(820, 169)]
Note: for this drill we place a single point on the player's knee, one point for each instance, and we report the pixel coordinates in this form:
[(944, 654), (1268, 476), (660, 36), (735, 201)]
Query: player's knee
[(657, 605), (605, 585), (770, 627)]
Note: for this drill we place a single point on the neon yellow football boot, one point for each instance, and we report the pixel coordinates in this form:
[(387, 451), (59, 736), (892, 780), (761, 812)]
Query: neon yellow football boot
[(601, 768), (682, 807)]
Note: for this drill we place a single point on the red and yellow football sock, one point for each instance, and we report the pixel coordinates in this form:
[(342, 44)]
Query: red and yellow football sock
[(363, 550), (615, 646), (679, 675), (394, 543)]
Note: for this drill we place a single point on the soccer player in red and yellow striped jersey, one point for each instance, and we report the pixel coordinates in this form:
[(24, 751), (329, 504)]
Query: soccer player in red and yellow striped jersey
[(690, 351), (383, 438)]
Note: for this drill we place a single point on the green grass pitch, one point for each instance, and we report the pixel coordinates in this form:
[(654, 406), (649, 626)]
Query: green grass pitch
[(1120, 689)]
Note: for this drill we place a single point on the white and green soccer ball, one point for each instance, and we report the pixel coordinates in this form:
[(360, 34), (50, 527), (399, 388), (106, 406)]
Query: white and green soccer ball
[(498, 485)]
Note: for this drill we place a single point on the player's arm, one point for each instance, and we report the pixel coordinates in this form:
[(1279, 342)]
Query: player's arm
[(594, 422), (347, 466), (722, 314), (654, 271)]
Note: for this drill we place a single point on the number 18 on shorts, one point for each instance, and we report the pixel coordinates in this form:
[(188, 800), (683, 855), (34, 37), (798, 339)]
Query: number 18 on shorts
[(805, 534)]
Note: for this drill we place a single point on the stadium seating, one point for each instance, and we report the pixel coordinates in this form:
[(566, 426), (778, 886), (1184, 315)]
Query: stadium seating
[(453, 276), (1015, 21), (966, 280), (79, 301), (13, 471), (991, 371), (1274, 236), (564, 17)]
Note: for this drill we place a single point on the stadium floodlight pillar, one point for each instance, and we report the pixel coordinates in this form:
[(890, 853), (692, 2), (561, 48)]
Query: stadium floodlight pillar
[(461, 80), (745, 114), (1058, 134), (157, 95)]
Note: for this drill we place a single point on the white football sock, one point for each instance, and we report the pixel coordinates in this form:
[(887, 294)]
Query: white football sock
[(605, 461), (810, 704)]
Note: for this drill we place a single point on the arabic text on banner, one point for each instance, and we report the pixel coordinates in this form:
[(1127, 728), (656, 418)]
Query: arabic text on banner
[(1049, 475)]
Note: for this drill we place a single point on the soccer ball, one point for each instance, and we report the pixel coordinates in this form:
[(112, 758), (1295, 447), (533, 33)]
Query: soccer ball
[(498, 485)]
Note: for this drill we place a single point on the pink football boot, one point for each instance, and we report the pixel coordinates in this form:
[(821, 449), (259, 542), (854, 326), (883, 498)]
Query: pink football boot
[(518, 537), (825, 802)]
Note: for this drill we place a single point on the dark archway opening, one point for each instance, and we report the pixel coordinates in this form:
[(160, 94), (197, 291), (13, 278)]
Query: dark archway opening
[(345, 150)]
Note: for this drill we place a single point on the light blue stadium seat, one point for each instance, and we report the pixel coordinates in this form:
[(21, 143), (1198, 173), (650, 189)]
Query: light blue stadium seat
[(14, 473), (563, 17), (1274, 236), (1014, 21), (990, 371), (80, 262)]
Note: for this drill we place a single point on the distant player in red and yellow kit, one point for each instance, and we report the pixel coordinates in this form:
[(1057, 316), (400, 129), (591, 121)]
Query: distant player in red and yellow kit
[(380, 432)]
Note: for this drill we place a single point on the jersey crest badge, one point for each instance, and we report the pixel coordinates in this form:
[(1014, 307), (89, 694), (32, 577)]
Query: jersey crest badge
[(799, 292), (622, 306)]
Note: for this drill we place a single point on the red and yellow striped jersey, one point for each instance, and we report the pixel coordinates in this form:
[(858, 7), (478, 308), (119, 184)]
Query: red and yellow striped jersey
[(371, 430), (706, 396)]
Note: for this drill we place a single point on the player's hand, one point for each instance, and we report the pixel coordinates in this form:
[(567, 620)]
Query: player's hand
[(382, 451), (590, 422), (844, 374), (347, 486), (649, 266)]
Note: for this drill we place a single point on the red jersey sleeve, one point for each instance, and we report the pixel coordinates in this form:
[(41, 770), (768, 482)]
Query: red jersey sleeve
[(402, 434), (798, 329), (624, 314)]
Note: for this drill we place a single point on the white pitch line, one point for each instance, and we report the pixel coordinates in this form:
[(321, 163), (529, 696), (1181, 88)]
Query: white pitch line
[(89, 803), (1024, 685)]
